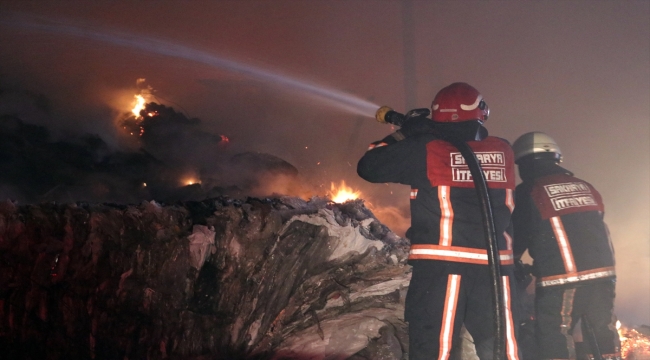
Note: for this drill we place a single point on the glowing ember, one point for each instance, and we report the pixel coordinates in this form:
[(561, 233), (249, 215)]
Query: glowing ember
[(343, 193), (224, 138), (139, 105), (192, 181)]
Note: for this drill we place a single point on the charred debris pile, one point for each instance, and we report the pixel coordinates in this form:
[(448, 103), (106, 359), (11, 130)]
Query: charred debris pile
[(160, 154), (257, 278)]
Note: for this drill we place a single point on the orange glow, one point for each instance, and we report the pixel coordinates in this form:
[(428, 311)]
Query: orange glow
[(190, 178), (343, 193), (633, 344), (139, 105)]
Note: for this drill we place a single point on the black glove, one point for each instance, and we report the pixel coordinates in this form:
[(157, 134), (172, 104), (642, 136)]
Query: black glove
[(423, 112), (417, 125), (523, 273)]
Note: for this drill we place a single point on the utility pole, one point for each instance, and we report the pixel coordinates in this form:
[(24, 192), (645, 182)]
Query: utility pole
[(408, 47)]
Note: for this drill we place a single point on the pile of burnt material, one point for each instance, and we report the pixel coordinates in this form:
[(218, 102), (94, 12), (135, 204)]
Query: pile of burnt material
[(277, 278)]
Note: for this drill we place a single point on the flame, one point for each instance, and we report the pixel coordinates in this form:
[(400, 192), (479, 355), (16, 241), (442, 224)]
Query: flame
[(633, 343), (190, 178), (139, 105), (343, 193)]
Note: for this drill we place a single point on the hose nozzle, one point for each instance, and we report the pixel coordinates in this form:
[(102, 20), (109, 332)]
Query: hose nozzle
[(380, 115), (386, 115)]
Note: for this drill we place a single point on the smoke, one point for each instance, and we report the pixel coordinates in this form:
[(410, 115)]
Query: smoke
[(331, 97), (32, 107), (163, 155), (181, 158), (542, 67), (34, 167), (270, 184), (397, 219)]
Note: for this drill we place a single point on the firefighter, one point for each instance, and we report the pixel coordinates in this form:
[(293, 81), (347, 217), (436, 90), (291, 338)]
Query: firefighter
[(450, 284), (559, 219)]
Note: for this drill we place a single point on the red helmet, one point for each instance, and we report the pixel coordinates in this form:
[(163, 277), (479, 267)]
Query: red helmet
[(459, 102)]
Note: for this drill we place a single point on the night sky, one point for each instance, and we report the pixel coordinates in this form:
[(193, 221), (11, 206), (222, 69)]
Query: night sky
[(577, 70)]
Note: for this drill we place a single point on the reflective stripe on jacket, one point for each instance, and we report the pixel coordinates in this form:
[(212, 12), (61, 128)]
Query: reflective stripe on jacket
[(446, 219), (559, 219)]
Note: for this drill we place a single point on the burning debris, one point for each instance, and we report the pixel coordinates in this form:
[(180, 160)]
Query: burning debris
[(343, 193), (158, 126), (167, 157), (278, 278), (242, 277), (635, 342)]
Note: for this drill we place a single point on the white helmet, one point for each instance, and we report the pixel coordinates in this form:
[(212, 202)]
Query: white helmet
[(536, 143)]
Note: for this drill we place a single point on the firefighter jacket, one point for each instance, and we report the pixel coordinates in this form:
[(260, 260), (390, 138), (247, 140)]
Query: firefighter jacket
[(559, 219), (446, 220)]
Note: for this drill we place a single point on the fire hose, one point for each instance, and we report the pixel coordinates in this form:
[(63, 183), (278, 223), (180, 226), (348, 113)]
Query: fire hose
[(387, 115), (591, 339)]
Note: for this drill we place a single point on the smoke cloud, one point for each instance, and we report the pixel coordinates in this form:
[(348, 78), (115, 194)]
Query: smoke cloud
[(577, 70), (163, 156)]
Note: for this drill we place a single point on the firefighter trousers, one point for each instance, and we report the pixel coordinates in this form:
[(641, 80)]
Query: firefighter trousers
[(442, 298), (558, 310)]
